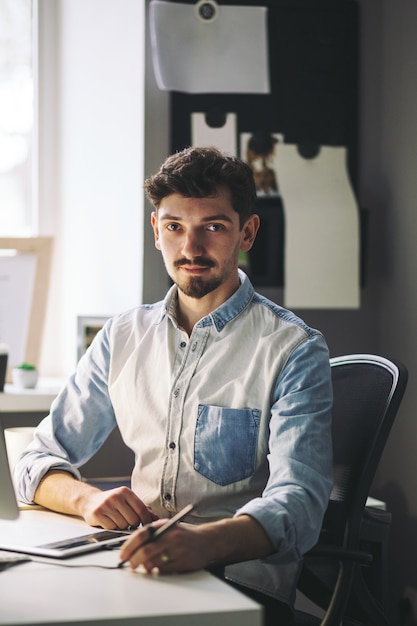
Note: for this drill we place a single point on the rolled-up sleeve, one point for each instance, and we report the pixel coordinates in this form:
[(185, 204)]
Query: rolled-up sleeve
[(295, 498), (80, 420)]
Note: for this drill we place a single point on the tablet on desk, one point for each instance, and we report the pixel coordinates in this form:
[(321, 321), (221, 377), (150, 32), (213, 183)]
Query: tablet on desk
[(64, 548), (78, 545)]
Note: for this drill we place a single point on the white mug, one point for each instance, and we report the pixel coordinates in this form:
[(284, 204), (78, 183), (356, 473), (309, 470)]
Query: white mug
[(17, 439)]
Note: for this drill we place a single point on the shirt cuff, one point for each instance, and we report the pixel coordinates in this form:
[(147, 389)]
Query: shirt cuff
[(275, 522)]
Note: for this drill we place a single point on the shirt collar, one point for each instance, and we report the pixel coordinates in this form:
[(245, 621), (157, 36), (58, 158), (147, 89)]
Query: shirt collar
[(221, 316)]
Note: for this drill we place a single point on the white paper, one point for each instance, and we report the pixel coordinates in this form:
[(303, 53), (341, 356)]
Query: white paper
[(228, 54), (322, 230), (223, 138)]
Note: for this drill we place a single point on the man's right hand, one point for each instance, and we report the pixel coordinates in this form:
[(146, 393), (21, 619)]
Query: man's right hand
[(111, 509), (116, 508)]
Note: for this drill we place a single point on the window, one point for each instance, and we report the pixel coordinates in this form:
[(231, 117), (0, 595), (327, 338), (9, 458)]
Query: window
[(17, 206)]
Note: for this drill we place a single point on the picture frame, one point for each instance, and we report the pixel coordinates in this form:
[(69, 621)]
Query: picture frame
[(25, 264), (87, 328)]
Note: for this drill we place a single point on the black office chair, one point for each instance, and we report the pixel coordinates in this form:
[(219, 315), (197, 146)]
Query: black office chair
[(343, 573)]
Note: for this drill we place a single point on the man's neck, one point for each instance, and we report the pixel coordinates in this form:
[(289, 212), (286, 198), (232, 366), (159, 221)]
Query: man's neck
[(192, 310), (188, 314)]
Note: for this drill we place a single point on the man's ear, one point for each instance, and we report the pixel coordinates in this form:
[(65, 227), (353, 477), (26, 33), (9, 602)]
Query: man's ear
[(154, 222), (249, 231)]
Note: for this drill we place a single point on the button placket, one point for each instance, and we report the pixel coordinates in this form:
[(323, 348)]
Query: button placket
[(175, 417)]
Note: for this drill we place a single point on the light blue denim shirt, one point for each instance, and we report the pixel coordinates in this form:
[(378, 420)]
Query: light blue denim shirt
[(239, 413)]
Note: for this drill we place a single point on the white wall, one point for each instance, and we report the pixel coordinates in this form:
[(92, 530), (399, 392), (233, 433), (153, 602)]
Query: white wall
[(91, 163), (157, 148)]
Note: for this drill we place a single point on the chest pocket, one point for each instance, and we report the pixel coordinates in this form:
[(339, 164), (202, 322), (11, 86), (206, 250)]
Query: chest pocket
[(225, 443)]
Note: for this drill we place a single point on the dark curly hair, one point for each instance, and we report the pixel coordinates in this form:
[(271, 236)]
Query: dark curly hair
[(201, 173)]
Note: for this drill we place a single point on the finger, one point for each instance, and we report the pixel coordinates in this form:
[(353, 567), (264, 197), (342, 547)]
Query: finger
[(130, 507), (158, 565), (137, 549), (110, 519), (166, 561), (137, 511), (137, 540), (122, 508)]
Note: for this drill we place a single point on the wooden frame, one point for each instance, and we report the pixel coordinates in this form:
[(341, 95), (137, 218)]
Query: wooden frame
[(42, 248)]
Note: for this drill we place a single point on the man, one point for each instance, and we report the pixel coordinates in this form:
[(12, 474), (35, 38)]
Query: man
[(224, 397)]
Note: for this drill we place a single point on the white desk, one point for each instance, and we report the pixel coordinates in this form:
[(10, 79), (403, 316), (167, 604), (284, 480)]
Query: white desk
[(44, 593)]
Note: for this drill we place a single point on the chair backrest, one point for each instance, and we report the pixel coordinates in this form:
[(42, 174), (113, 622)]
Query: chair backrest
[(368, 390)]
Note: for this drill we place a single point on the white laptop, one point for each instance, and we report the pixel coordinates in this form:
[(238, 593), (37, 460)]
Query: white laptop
[(38, 535)]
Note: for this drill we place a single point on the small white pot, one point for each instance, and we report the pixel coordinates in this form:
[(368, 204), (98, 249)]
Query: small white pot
[(24, 379)]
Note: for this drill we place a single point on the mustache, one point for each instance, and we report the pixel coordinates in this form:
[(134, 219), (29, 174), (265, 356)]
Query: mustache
[(198, 260)]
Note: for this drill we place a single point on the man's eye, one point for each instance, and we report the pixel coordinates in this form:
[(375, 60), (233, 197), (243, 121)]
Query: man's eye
[(215, 227), (173, 227)]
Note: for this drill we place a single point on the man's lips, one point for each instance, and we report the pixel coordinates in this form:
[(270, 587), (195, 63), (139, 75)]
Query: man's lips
[(193, 269)]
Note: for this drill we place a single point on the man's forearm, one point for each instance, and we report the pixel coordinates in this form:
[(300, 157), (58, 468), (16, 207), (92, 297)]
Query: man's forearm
[(241, 538), (113, 508), (61, 492)]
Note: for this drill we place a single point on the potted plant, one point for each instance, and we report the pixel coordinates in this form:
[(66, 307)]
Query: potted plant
[(25, 376)]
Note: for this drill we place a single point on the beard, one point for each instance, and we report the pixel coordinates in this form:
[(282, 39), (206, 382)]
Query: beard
[(197, 286)]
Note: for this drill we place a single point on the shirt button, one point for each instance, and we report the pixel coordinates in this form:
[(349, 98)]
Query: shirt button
[(183, 344), (176, 393), (167, 496), (172, 445)]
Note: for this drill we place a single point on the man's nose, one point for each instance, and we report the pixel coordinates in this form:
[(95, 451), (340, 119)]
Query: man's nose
[(193, 244)]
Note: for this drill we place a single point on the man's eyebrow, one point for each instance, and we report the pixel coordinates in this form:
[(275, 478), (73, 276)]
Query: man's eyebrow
[(167, 216), (219, 217)]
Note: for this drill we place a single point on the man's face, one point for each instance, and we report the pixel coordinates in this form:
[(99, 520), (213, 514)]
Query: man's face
[(200, 240)]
